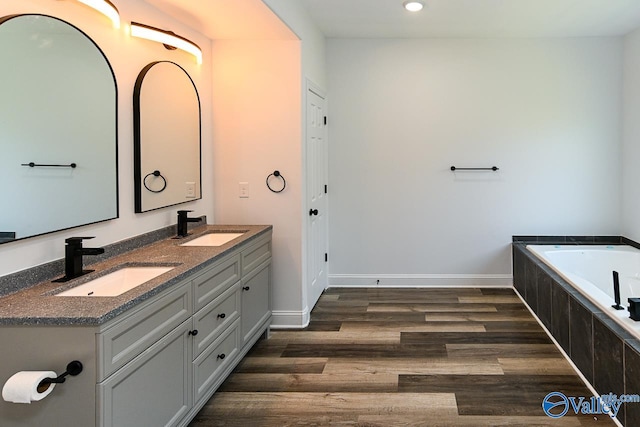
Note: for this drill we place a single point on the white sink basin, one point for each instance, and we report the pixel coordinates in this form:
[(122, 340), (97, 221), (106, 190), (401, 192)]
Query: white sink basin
[(212, 239), (116, 283)]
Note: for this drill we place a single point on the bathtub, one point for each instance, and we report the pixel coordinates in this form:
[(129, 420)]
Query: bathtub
[(589, 269)]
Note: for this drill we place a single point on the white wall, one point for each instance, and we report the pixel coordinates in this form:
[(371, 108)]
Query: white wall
[(547, 112), (257, 130), (259, 127), (127, 56), (313, 64), (296, 17), (631, 137)]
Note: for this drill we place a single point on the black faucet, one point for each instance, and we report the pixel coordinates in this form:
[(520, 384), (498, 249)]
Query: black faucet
[(616, 292), (73, 252), (183, 220)]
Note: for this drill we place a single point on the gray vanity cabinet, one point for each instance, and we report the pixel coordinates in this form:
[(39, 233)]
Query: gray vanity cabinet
[(160, 363), (136, 331), (143, 361), (208, 368), (148, 366), (256, 288), (256, 294), (152, 390), (215, 317)]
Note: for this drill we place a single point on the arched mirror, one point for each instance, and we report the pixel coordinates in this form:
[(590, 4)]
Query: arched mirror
[(58, 128), (166, 137)]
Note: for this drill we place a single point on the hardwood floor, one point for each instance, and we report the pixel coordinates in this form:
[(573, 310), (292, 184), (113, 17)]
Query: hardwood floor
[(402, 357)]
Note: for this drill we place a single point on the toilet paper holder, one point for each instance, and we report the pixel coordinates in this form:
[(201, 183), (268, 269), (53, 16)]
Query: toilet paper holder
[(73, 368)]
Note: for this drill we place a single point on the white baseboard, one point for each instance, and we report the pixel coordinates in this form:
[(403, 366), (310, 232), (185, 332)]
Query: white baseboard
[(420, 280), (283, 319)]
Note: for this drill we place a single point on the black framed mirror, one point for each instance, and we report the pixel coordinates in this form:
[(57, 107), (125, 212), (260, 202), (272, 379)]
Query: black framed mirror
[(58, 128), (167, 137)]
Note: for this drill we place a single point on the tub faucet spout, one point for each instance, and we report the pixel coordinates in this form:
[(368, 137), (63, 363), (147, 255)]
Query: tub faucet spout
[(616, 291)]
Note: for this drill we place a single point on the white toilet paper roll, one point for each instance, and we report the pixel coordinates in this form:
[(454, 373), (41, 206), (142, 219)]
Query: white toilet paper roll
[(22, 387)]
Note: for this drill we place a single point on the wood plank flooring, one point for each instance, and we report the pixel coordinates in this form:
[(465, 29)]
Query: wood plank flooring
[(402, 357)]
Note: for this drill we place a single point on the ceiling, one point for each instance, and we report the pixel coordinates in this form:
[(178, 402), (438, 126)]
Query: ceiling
[(252, 19), (475, 18), (227, 19)]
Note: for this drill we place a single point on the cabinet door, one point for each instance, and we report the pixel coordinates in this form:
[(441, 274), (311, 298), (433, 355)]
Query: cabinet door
[(154, 389), (256, 300)]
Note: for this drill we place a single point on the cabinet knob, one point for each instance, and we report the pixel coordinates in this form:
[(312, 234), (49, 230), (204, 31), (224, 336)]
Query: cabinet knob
[(313, 211), (194, 332), (245, 288), (222, 356), (221, 316)]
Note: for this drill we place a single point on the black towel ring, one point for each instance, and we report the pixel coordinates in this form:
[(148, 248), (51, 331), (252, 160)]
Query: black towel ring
[(277, 174), (155, 173)]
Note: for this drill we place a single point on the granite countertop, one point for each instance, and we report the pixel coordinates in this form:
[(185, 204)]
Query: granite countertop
[(38, 305)]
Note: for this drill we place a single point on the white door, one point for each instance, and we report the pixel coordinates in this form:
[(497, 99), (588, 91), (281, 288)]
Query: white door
[(316, 169)]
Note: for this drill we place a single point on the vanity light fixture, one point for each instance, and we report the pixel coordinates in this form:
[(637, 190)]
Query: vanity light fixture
[(169, 39), (106, 8), (413, 6)]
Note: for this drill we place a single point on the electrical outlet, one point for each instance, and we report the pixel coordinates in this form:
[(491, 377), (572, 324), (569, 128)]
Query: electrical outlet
[(190, 188), (244, 190)]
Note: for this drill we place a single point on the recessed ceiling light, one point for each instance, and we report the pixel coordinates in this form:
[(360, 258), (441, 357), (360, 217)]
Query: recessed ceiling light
[(413, 6)]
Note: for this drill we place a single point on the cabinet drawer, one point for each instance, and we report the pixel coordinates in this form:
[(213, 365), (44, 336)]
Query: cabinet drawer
[(209, 367), (136, 332), (215, 317), (256, 254), (216, 280)]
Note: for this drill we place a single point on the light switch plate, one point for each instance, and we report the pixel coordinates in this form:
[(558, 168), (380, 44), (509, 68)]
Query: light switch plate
[(244, 190), (190, 188)]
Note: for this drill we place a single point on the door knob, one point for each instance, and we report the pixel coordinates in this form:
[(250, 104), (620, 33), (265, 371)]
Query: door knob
[(313, 211)]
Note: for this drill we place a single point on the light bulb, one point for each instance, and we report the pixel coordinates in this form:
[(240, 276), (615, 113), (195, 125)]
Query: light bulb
[(413, 6)]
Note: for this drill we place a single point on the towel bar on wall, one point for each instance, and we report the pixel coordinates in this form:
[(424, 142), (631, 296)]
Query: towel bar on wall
[(492, 168), (33, 165)]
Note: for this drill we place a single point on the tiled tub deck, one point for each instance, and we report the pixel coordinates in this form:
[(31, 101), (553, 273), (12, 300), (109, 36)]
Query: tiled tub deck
[(606, 354)]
